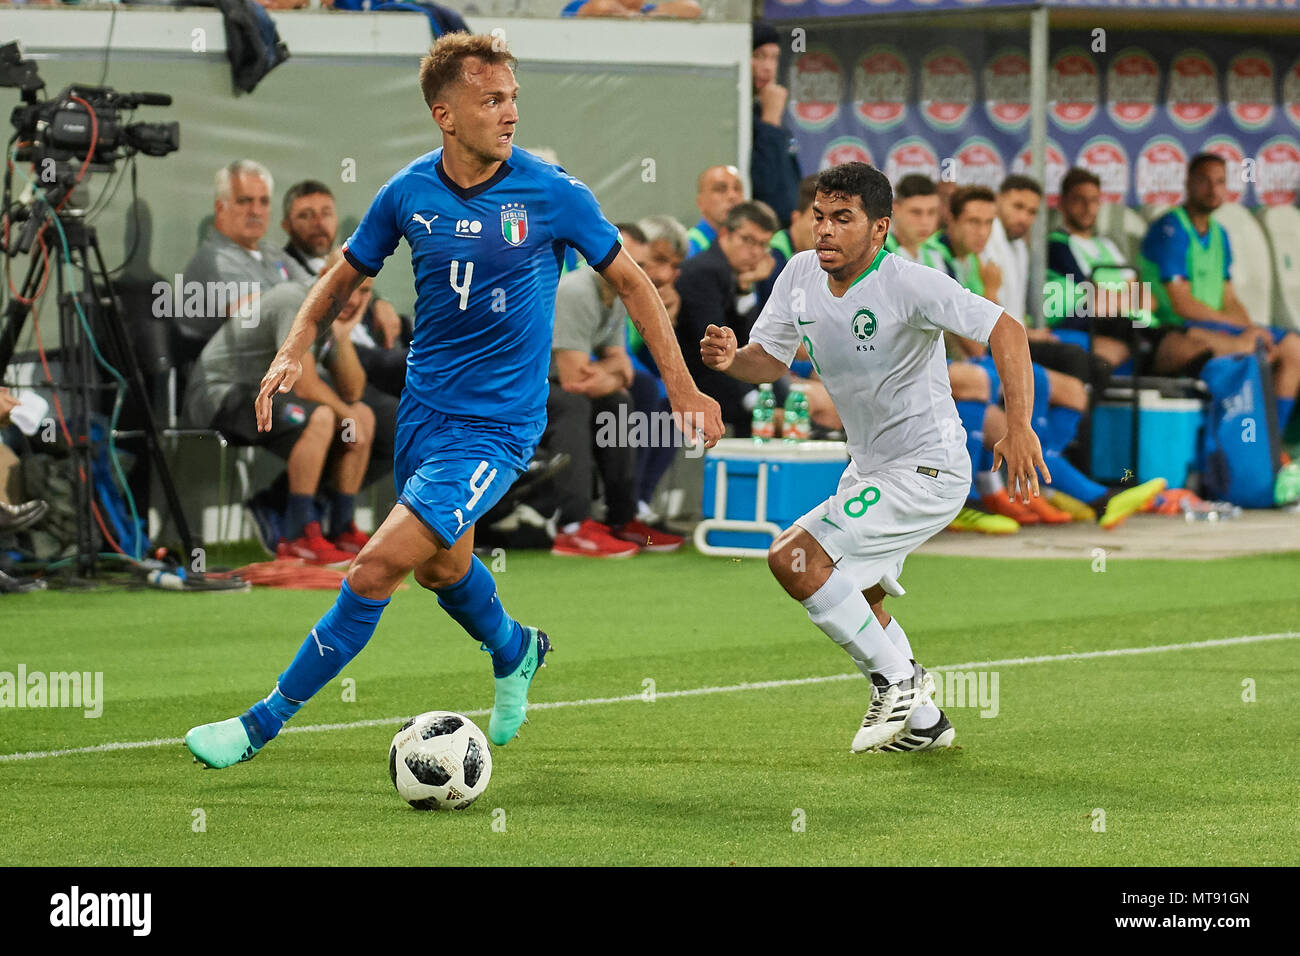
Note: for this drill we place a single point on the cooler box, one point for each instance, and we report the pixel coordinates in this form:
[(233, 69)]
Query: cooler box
[(1168, 430), (753, 490)]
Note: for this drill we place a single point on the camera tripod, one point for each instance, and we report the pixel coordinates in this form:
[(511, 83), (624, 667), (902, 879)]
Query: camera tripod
[(79, 377)]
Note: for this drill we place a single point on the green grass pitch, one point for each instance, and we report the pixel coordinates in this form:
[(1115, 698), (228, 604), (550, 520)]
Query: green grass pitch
[(1185, 770)]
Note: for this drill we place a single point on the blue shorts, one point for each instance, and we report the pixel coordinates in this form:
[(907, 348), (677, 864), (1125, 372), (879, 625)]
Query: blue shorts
[(1210, 325), (450, 471)]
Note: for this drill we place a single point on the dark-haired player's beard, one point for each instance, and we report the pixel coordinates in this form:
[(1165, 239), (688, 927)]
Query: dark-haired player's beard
[(1077, 225), (855, 249), (1201, 204)]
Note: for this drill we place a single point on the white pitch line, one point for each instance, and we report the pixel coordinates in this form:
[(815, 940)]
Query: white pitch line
[(695, 692)]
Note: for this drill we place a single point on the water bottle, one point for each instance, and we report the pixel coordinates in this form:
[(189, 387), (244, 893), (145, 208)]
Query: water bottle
[(1210, 511), (798, 421), (167, 580), (1286, 489), (763, 428)]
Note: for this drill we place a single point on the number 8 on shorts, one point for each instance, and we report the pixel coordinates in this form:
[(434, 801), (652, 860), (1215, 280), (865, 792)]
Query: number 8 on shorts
[(857, 506)]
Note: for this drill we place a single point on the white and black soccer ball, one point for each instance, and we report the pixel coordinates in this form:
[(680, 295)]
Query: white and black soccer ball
[(440, 761)]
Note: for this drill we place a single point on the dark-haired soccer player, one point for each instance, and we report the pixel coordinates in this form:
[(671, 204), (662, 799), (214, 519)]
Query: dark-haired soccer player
[(872, 323), (486, 224), (1187, 260), (914, 224)]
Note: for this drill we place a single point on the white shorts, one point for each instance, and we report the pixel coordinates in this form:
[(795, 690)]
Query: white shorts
[(873, 522)]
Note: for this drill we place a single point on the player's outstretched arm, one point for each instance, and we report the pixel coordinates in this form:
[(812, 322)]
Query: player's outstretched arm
[(325, 300), (751, 364), (1019, 447), (701, 415)]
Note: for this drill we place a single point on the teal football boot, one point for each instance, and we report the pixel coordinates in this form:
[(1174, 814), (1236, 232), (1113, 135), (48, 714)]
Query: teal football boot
[(511, 706), (222, 744)]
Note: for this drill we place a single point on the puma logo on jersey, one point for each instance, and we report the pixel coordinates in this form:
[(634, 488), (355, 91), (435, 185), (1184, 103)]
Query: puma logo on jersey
[(460, 520), (426, 223)]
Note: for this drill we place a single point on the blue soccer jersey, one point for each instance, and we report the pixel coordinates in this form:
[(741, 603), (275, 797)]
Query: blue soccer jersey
[(486, 262)]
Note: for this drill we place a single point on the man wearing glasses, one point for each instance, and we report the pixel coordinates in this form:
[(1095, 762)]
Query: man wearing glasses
[(717, 287)]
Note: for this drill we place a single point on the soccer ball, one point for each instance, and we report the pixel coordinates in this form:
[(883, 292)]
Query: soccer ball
[(440, 761)]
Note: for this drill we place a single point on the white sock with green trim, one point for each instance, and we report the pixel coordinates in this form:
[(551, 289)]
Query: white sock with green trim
[(844, 615)]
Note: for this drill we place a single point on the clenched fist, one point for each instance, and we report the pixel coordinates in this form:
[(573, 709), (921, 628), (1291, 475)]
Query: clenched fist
[(718, 347)]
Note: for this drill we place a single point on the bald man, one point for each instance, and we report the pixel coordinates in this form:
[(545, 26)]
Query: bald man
[(717, 190)]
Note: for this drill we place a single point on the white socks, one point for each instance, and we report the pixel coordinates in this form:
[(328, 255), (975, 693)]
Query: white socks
[(988, 482), (926, 714), (840, 610), (899, 639)]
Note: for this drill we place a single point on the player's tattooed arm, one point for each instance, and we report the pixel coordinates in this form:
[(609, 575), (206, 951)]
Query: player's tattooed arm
[(323, 303), (1019, 447), (696, 413)]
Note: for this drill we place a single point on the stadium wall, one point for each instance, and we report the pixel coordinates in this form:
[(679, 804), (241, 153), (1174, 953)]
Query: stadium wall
[(635, 110)]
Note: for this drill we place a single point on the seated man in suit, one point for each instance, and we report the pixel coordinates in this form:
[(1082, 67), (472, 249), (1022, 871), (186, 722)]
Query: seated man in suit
[(717, 287)]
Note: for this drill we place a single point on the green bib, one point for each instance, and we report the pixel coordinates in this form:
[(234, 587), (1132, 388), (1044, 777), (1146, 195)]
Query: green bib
[(782, 244), (1205, 268), (1063, 295), (966, 268), (700, 239)]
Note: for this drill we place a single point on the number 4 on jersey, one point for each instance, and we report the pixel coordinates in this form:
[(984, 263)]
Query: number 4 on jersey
[(462, 289)]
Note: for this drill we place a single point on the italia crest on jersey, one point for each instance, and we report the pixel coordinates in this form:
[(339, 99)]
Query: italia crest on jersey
[(514, 223)]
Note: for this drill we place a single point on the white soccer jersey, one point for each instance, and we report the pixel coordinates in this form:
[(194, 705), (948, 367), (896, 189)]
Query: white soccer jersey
[(879, 352)]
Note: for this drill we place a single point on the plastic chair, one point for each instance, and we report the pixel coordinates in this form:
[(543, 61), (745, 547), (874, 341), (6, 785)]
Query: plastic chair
[(1282, 230), (1252, 266)]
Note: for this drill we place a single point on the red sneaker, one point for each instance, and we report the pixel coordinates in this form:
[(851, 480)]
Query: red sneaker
[(1001, 503), (592, 540), (651, 539), (352, 540), (313, 548)]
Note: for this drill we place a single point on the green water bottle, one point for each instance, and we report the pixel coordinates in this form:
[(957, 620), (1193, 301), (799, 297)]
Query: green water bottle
[(1286, 488), (798, 421), (763, 428)]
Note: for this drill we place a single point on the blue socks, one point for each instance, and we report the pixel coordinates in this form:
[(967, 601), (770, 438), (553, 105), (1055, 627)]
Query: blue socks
[(300, 512), (473, 604), (265, 718), (1285, 406), (1062, 423), (348, 626), (338, 637), (343, 509), (1042, 393), (972, 420), (1067, 478)]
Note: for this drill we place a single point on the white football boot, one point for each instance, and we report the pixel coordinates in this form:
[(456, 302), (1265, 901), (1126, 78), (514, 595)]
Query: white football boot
[(931, 738), (891, 706)]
